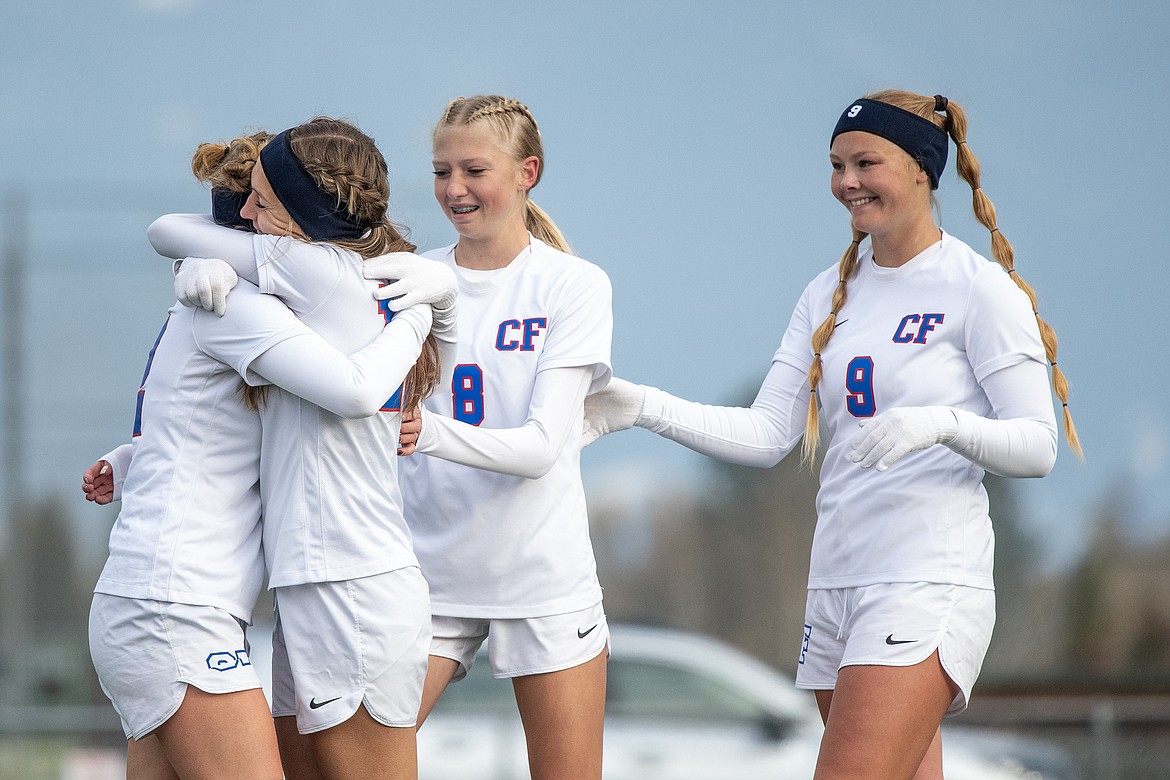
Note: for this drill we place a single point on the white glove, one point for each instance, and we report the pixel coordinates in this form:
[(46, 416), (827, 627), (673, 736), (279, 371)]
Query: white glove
[(204, 282), (413, 279), (884, 439), (614, 408)]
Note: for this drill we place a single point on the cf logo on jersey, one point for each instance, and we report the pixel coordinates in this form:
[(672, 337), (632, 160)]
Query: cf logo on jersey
[(915, 327), (516, 335)]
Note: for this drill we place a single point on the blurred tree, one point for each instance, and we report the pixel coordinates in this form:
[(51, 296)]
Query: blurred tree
[(1089, 640), (732, 561), (756, 537), (47, 597), (1027, 631), (1149, 650)]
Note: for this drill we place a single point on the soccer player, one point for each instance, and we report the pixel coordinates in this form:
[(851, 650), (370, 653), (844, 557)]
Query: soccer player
[(497, 507), (928, 362), (185, 563), (353, 614)]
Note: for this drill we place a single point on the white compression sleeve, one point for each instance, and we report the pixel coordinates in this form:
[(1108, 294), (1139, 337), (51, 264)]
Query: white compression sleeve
[(197, 235), (351, 386), (446, 335), (1021, 441), (757, 436), (527, 451), (119, 459)]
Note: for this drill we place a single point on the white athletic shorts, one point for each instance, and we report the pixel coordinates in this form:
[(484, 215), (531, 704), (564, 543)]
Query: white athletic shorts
[(523, 646), (147, 652), (896, 624), (340, 644)]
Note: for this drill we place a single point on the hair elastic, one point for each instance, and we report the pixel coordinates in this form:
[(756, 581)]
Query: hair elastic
[(319, 214), (940, 103), (918, 136)]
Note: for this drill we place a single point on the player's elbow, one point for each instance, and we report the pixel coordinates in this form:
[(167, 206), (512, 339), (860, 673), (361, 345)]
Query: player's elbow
[(1043, 452), (160, 234), (539, 469), (359, 406), (1046, 457), (538, 462), (544, 453), (758, 459)]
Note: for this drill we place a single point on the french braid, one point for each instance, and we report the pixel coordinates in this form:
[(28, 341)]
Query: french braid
[(517, 130), (345, 163)]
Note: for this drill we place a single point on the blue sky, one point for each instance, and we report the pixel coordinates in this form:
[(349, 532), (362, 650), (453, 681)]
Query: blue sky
[(687, 155)]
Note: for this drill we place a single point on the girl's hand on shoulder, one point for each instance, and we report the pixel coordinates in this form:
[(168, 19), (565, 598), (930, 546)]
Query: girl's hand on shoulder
[(412, 280), (204, 283)]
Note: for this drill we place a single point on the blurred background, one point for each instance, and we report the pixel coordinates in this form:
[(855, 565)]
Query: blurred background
[(687, 155)]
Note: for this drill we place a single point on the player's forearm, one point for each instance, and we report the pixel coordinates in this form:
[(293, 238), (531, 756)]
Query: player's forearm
[(351, 386), (529, 450), (1021, 439), (1010, 448), (758, 436), (197, 235)]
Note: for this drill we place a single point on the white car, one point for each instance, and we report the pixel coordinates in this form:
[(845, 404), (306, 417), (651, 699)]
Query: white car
[(681, 706)]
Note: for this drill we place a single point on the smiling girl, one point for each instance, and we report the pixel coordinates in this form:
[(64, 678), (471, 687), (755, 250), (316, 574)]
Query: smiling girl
[(928, 362), (498, 508)]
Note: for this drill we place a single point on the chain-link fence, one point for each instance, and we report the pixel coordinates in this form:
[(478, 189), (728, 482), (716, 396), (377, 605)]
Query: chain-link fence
[(1111, 735)]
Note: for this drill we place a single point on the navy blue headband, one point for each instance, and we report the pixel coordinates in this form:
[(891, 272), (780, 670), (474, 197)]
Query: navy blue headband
[(922, 139), (318, 213), (226, 206)]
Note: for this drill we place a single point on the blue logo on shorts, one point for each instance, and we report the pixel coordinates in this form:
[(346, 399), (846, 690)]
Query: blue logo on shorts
[(804, 644), (226, 660)]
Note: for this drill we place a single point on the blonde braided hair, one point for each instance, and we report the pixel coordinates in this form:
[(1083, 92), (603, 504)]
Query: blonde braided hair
[(846, 269), (950, 117), (516, 128)]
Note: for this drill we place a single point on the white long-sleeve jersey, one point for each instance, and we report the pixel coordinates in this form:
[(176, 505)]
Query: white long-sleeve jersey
[(533, 338), (332, 505), (949, 328), (189, 527)]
